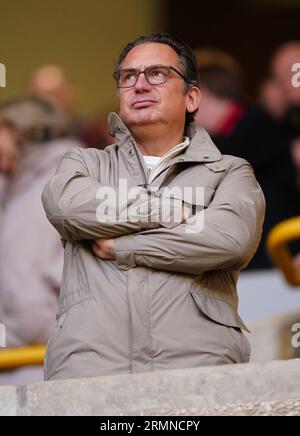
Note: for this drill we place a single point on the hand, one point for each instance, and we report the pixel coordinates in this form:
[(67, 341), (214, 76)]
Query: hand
[(103, 248), (186, 212)]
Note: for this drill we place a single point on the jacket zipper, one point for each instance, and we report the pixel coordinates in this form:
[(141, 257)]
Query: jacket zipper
[(144, 170)]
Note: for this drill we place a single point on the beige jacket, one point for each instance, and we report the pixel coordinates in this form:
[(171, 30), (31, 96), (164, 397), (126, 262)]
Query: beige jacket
[(169, 299)]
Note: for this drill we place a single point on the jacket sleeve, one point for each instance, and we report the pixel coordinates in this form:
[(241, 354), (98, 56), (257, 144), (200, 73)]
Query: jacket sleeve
[(82, 208), (226, 236)]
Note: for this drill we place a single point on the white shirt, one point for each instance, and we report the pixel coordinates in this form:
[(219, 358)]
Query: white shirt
[(154, 164)]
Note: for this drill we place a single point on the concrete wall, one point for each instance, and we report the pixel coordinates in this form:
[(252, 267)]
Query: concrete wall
[(251, 389)]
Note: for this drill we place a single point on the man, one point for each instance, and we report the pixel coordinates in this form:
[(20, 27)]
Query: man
[(156, 289)]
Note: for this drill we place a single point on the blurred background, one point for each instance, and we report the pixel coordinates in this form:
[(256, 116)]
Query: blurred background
[(59, 57), (85, 37)]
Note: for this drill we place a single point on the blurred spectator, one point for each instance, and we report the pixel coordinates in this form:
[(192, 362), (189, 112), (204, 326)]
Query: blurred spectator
[(94, 132), (280, 94), (282, 62), (50, 82), (282, 72), (220, 79), (249, 132), (32, 141), (272, 98)]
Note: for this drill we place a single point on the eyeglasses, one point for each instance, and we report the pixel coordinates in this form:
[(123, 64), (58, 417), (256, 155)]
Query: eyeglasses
[(154, 74)]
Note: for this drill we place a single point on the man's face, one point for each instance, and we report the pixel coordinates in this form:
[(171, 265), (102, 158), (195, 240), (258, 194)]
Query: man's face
[(145, 104)]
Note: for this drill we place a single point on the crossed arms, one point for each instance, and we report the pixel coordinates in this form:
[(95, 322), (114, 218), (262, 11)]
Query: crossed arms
[(230, 235)]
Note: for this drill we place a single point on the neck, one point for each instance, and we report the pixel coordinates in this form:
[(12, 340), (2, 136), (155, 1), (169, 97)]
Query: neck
[(151, 142)]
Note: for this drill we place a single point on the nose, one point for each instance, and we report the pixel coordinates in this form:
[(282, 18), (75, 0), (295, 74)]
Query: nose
[(142, 84)]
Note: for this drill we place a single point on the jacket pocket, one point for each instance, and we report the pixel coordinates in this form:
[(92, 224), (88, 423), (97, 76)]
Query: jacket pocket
[(58, 346), (242, 342), (221, 313), (197, 197), (70, 300), (59, 325)]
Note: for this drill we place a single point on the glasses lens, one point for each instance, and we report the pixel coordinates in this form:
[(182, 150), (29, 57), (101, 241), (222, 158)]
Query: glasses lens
[(127, 78), (157, 75)]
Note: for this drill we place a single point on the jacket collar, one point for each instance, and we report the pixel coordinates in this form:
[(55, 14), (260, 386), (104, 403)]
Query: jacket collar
[(201, 148), (117, 129)]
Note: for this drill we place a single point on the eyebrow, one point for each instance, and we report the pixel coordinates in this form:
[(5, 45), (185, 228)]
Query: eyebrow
[(145, 66)]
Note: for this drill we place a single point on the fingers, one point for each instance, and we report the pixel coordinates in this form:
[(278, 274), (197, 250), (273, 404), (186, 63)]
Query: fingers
[(185, 213), (96, 249), (102, 248)]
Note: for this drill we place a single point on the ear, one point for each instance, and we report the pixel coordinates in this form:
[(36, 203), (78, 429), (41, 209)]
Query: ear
[(193, 98)]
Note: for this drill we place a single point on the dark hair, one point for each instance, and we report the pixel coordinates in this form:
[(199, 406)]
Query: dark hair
[(221, 81), (186, 59), (220, 72)]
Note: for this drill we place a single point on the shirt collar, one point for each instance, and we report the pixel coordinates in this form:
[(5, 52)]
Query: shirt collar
[(200, 148)]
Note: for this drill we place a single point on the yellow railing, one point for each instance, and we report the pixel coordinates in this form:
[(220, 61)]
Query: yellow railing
[(22, 356), (277, 244)]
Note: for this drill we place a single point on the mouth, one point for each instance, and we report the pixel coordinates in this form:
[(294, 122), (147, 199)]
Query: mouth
[(140, 104)]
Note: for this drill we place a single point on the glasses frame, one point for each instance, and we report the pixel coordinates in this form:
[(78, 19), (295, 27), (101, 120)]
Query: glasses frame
[(169, 68)]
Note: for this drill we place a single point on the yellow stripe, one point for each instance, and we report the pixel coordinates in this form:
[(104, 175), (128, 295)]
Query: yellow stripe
[(22, 356)]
